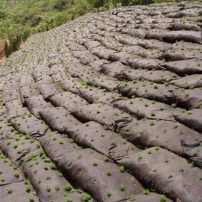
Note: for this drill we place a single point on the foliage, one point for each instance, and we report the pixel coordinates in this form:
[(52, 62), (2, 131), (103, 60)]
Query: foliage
[(20, 18)]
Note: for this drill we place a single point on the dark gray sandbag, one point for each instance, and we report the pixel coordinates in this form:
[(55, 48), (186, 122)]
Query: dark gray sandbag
[(35, 104), (13, 183), (53, 58), (155, 34), (96, 95), (113, 69), (137, 33), (28, 90), (189, 98), (56, 144), (45, 79), (48, 90), (148, 198), (154, 44), (103, 114), (189, 36), (171, 135), (10, 94), (191, 66), (71, 84), (68, 100), (122, 56), (18, 192), (192, 81), (58, 118), (149, 90), (93, 135), (138, 51), (39, 169), (148, 64), (8, 172), (14, 109), (19, 148), (184, 26), (40, 71), (182, 54), (30, 125), (192, 119), (167, 173), (88, 170), (26, 79), (106, 82), (144, 108), (157, 76), (187, 45), (192, 12), (96, 64), (102, 52)]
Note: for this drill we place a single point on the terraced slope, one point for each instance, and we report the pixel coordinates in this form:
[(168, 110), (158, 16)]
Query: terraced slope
[(106, 108)]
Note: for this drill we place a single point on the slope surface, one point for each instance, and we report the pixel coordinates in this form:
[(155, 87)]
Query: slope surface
[(106, 108)]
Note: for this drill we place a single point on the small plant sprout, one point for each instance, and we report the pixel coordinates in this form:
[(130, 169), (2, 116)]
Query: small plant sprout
[(86, 197), (27, 189), (45, 167), (71, 140), (106, 127), (9, 191), (162, 198), (57, 187), (38, 181), (68, 187), (95, 163), (174, 105), (139, 157), (191, 87), (105, 159), (61, 142), (170, 176), (145, 192), (112, 142), (155, 86), (31, 199), (109, 172), (121, 169), (122, 187), (48, 189), (151, 123), (68, 200), (189, 112), (48, 177), (19, 151), (132, 198), (181, 169), (17, 175), (53, 166), (108, 193), (149, 152), (127, 129), (174, 75)]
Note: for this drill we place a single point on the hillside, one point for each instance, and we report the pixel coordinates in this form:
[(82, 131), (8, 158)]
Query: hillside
[(21, 18), (106, 108)]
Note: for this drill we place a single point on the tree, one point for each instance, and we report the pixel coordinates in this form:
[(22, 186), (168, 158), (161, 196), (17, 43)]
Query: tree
[(6, 49), (2, 10)]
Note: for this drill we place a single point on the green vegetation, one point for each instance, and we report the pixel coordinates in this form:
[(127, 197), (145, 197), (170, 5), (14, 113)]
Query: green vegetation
[(21, 18), (68, 187)]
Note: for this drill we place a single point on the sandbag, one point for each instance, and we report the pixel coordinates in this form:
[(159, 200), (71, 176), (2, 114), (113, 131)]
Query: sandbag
[(58, 118), (166, 173)]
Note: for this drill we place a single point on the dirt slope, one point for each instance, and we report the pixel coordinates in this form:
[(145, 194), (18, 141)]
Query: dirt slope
[(106, 108)]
